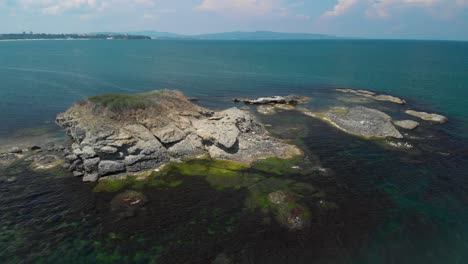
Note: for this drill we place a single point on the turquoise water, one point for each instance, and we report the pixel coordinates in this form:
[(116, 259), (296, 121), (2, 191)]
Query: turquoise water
[(42, 78), (394, 206)]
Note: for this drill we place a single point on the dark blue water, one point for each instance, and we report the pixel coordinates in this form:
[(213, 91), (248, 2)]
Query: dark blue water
[(394, 206)]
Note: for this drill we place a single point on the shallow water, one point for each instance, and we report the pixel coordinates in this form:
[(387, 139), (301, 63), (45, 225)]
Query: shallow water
[(394, 206)]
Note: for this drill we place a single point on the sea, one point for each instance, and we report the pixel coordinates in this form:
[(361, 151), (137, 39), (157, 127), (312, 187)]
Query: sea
[(394, 206)]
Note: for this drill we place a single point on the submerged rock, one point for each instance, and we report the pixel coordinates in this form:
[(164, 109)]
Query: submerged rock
[(128, 202), (427, 116), (287, 212), (8, 158), (130, 133), (45, 161), (360, 121), (407, 124), (375, 96)]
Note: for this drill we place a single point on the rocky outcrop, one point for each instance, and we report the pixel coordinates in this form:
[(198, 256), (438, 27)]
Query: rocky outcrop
[(115, 134), (375, 96), (289, 99), (427, 116), (360, 121), (407, 124)]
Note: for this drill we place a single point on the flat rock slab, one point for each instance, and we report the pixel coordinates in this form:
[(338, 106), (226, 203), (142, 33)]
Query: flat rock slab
[(427, 116), (375, 96), (407, 124), (362, 121)]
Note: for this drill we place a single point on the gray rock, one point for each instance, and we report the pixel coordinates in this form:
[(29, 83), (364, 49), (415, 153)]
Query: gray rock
[(45, 161), (427, 116), (168, 134), (290, 99), (223, 131), (375, 96), (90, 177), (15, 150), (71, 158), (107, 167), (191, 146), (8, 158), (362, 121), (78, 173), (91, 165), (108, 150), (88, 152), (76, 165), (407, 124)]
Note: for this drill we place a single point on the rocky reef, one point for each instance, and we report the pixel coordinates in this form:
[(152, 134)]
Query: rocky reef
[(427, 116), (115, 134), (374, 96), (361, 121), (347, 114), (273, 100)]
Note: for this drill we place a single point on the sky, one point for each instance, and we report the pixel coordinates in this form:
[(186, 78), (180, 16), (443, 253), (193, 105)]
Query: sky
[(399, 19)]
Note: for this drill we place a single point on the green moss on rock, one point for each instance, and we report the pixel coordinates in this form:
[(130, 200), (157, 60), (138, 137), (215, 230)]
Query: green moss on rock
[(278, 166), (112, 185)]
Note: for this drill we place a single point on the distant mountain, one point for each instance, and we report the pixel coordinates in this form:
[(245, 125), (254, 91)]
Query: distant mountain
[(236, 35), (261, 35), (156, 34)]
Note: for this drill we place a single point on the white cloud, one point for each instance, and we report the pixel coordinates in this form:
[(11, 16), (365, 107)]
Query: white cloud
[(149, 16), (246, 7), (252, 8), (56, 7), (340, 8), (383, 8), (462, 3)]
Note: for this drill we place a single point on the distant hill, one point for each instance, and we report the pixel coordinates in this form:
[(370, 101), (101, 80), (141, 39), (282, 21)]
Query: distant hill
[(156, 34), (261, 35), (236, 35)]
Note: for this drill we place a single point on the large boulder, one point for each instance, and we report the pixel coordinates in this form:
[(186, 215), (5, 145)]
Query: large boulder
[(107, 167), (115, 134)]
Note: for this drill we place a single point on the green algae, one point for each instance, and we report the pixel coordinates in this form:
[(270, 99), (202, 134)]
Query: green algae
[(278, 166), (139, 182), (112, 185)]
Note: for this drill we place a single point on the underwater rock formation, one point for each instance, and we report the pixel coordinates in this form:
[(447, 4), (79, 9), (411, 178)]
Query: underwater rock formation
[(375, 96), (118, 133)]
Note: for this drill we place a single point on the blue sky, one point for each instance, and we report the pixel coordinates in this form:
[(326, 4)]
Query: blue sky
[(416, 19)]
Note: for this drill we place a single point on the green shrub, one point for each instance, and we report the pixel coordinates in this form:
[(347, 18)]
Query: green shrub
[(121, 102)]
